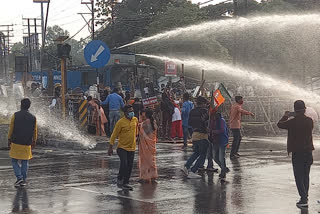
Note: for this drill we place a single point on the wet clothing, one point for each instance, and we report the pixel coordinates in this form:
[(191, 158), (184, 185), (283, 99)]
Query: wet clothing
[(235, 115), (126, 131), (219, 154), (300, 143), (20, 171), (187, 106), (299, 133), (198, 120), (219, 132), (126, 165), (114, 116), (114, 101), (200, 149), (22, 133), (301, 163), (236, 141), (147, 151)]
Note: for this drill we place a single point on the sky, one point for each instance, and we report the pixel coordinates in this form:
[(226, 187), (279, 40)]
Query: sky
[(62, 12)]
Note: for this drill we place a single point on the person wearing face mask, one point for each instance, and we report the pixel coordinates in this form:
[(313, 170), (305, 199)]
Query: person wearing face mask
[(235, 124), (126, 132)]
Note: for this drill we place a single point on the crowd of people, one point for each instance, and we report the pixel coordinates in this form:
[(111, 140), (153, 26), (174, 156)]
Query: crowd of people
[(205, 125)]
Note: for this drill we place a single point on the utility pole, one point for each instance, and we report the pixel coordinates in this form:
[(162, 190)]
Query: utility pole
[(42, 41), (6, 48), (32, 45)]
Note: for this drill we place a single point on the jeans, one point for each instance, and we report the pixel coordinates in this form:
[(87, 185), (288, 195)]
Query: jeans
[(301, 163), (20, 171), (219, 154), (186, 133), (126, 164), (210, 155), (200, 148), (114, 117), (236, 141)]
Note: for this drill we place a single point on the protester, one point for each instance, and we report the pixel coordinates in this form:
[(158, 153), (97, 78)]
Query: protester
[(55, 106), (115, 103), (167, 109), (147, 147), (198, 120), (97, 117), (219, 135), (126, 131), (186, 108), (22, 139), (300, 144), (106, 111), (137, 107), (235, 124), (176, 126)]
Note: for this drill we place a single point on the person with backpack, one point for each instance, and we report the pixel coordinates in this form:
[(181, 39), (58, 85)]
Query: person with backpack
[(167, 109)]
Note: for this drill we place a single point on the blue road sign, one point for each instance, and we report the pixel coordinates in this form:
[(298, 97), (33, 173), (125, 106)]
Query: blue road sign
[(97, 54)]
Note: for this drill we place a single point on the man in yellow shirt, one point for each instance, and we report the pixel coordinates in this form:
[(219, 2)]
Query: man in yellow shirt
[(126, 132), (22, 139)]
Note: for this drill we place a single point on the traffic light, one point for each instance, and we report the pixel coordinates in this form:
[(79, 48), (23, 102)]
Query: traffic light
[(63, 50)]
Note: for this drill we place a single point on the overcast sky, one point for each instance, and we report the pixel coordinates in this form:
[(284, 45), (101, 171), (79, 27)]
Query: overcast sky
[(62, 13)]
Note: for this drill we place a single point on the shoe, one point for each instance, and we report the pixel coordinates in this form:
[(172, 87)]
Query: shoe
[(185, 170), (119, 183), (211, 169), (23, 183), (193, 175), (227, 170), (18, 182), (237, 154), (302, 204), (127, 187), (201, 169), (232, 157)]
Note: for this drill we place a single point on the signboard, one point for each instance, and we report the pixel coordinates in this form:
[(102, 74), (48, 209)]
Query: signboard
[(41, 1), (170, 69), (97, 54), (149, 101)]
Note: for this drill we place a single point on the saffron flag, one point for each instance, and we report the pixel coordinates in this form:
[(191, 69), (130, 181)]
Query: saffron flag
[(219, 96)]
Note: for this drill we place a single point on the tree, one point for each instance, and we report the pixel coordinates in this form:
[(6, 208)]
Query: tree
[(50, 50), (17, 49)]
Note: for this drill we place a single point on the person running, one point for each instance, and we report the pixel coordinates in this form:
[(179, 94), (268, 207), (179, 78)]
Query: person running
[(220, 140), (187, 106), (147, 147), (115, 103), (300, 144), (235, 124), (126, 131), (22, 137), (198, 120)]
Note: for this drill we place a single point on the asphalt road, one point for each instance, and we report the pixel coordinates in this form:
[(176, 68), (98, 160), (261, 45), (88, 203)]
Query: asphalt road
[(66, 181)]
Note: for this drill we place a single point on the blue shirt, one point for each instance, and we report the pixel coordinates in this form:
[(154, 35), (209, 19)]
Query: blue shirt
[(187, 106), (114, 101)]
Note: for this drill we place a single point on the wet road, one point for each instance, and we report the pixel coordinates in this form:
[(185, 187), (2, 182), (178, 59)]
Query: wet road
[(64, 181)]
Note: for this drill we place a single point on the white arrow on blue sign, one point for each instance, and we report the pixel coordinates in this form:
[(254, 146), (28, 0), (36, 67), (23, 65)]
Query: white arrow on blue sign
[(97, 54)]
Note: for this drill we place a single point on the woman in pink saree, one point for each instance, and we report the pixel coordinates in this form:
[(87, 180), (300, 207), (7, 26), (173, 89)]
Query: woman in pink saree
[(147, 147)]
